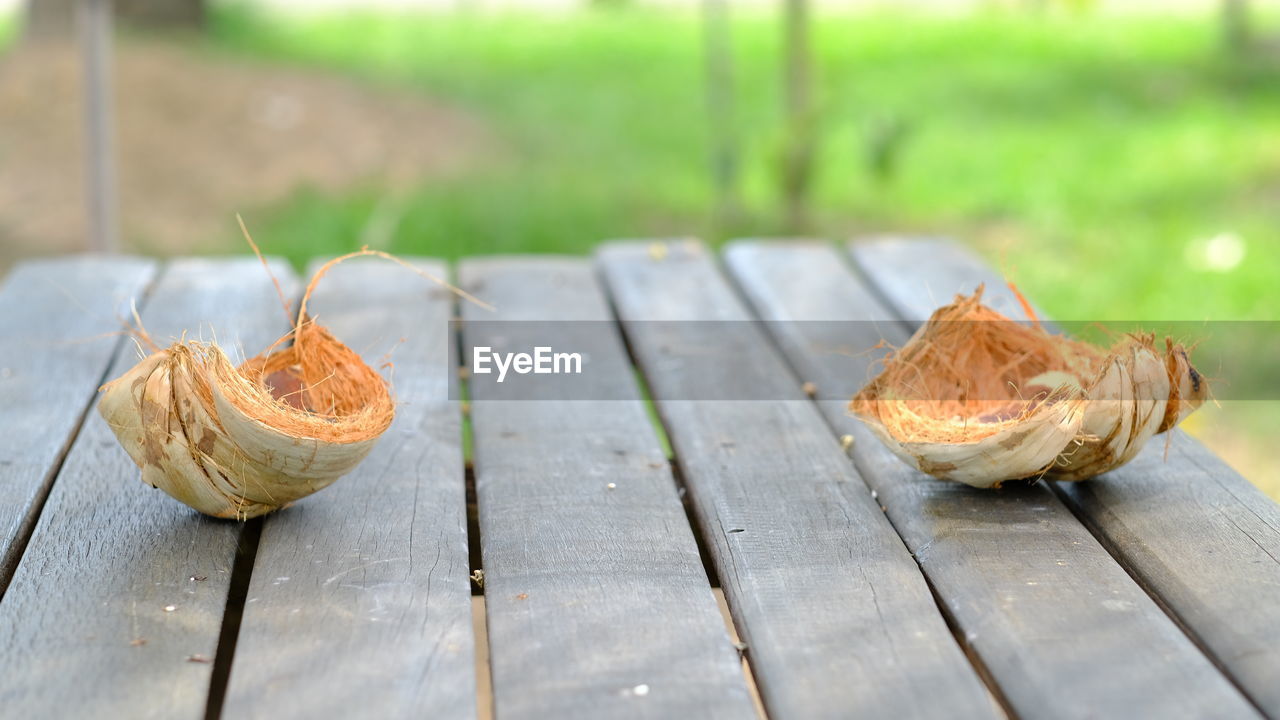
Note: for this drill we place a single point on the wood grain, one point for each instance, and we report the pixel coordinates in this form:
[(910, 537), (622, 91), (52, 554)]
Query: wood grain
[(598, 605), (107, 615), (57, 325), (359, 602), (838, 619), (1199, 537), (1061, 628)]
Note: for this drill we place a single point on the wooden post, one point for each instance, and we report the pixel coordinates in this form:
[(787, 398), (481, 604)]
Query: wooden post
[(720, 111), (797, 162), (1235, 26), (100, 173)]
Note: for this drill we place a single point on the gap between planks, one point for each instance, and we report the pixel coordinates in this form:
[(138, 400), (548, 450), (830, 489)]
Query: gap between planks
[(677, 474), (237, 593), (233, 612)]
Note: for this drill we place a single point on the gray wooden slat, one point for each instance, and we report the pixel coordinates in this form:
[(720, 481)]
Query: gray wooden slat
[(1060, 626), (1206, 542), (838, 619), (922, 274), (598, 604), (1197, 535), (84, 627), (55, 320), (360, 603)]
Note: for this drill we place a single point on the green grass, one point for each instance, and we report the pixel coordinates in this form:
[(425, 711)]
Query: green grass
[(8, 29), (1082, 154)]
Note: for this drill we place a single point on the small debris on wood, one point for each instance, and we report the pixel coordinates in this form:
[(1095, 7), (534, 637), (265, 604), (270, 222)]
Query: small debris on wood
[(138, 642), (522, 596), (198, 578), (810, 389), (846, 442), (477, 577), (612, 486), (658, 251), (170, 608), (741, 647), (198, 659), (640, 690)]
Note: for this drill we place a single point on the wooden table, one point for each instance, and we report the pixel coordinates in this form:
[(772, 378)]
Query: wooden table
[(858, 587)]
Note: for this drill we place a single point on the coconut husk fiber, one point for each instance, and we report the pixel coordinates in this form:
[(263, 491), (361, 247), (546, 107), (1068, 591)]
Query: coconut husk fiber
[(239, 442), (980, 399)]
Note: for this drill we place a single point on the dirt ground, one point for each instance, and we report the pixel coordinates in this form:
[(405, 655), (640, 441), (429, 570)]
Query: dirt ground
[(200, 136)]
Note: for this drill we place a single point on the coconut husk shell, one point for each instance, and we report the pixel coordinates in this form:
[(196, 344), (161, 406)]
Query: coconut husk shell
[(978, 398), (241, 442)]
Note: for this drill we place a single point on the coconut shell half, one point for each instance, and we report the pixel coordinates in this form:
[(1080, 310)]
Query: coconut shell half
[(978, 398), (241, 442)]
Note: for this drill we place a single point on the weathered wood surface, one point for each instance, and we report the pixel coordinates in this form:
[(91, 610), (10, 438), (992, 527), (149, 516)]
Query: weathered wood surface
[(1202, 539), (56, 320), (1061, 628), (85, 628), (598, 605), (597, 599), (838, 619), (915, 276), (359, 603)]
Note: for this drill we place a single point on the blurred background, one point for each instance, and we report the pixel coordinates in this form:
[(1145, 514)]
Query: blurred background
[(1119, 160)]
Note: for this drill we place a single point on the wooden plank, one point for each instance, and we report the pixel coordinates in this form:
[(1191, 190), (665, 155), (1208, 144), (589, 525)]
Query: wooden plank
[(597, 601), (1199, 537), (360, 603), (998, 559), (56, 320), (86, 627), (838, 619), (916, 276)]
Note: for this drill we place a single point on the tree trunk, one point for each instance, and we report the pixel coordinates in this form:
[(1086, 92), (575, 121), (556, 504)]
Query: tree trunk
[(1235, 25), (188, 14), (57, 18), (720, 111), (797, 161)]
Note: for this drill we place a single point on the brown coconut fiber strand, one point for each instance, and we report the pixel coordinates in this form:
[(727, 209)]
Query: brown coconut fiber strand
[(239, 442), (978, 398)]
